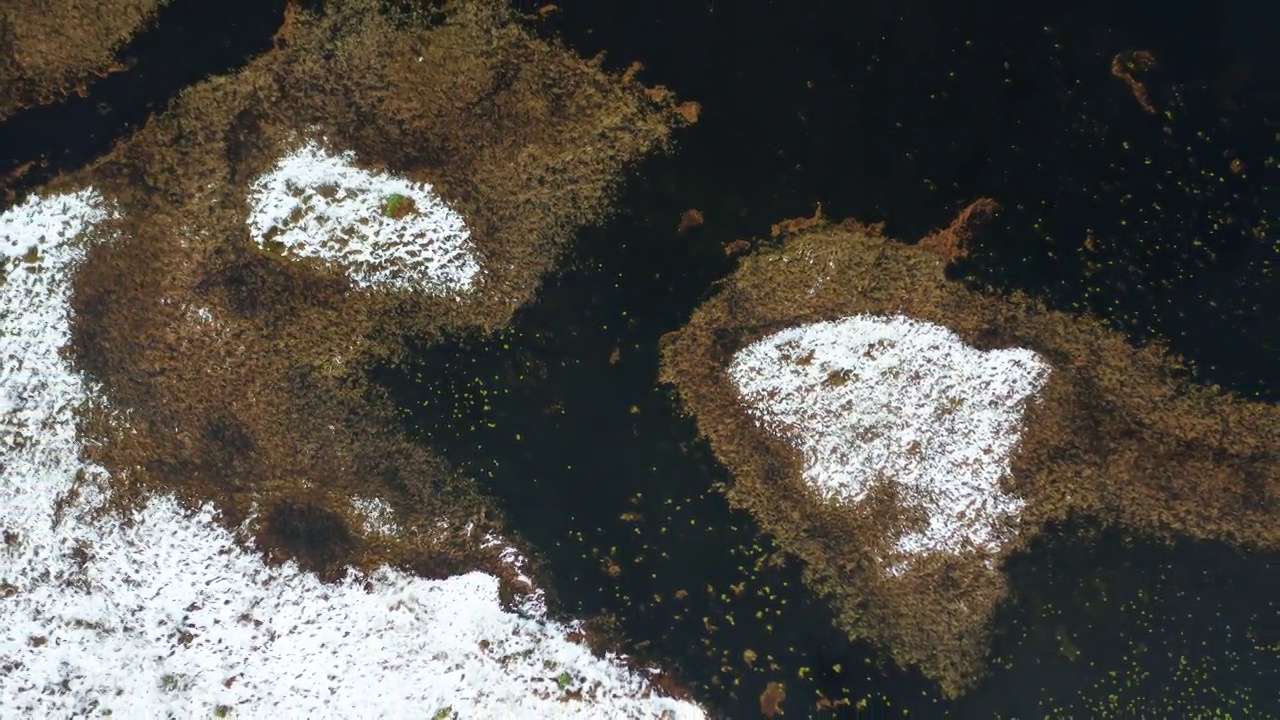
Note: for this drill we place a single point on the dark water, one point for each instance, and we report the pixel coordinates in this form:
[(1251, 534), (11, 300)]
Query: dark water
[(901, 112)]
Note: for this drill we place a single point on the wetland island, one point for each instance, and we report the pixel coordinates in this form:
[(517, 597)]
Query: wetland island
[(903, 434)]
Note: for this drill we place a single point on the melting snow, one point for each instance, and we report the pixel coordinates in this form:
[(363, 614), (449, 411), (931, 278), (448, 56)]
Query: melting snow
[(169, 615), (866, 399), (317, 204), (378, 516)]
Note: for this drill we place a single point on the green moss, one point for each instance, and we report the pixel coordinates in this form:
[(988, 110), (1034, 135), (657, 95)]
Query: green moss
[(397, 206), (565, 680)]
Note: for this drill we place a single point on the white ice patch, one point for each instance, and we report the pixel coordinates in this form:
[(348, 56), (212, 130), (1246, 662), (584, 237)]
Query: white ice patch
[(867, 399), (168, 615), (321, 205)]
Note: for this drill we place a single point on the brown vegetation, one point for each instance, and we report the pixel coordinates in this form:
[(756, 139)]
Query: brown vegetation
[(1117, 434), (952, 241), (689, 220), (243, 374), (51, 49), (1129, 66), (771, 699)]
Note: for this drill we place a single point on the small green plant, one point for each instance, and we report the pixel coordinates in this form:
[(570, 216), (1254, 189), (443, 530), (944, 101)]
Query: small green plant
[(169, 683), (222, 711), (397, 206), (444, 713), (565, 680)]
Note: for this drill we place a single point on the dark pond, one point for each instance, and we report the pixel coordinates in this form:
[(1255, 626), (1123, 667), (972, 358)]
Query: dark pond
[(895, 112), (900, 112)]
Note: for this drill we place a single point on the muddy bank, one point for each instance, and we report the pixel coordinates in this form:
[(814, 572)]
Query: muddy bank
[(56, 49), (1105, 430)]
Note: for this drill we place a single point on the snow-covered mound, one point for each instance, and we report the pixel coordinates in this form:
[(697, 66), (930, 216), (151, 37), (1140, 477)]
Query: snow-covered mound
[(383, 231), (890, 399), (169, 615)]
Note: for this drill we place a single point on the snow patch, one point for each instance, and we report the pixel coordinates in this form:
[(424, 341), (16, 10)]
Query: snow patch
[(385, 231), (377, 516), (168, 615), (41, 244), (870, 399)]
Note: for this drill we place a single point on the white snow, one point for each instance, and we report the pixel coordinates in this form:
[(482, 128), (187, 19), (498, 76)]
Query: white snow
[(321, 205), (377, 515), (169, 615), (869, 399), (39, 250)]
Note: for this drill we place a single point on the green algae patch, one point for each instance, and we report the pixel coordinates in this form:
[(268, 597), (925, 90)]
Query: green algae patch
[(1109, 431), (50, 50), (242, 368)]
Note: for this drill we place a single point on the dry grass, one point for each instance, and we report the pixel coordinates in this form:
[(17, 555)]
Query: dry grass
[(53, 48)]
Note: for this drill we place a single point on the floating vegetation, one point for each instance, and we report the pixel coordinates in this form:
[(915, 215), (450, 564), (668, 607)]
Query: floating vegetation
[(1173, 628)]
